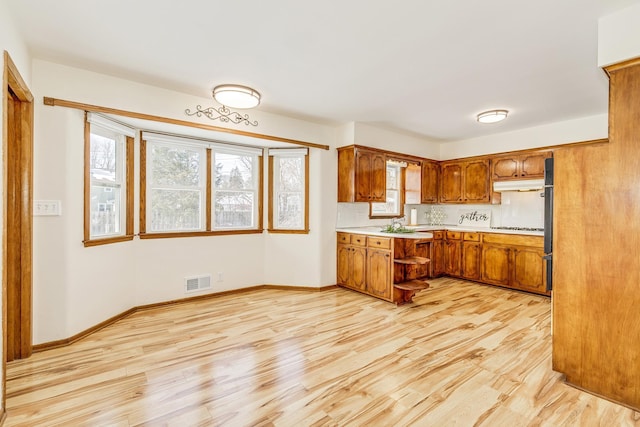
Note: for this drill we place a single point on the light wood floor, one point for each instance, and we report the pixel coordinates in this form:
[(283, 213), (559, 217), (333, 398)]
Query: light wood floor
[(462, 354)]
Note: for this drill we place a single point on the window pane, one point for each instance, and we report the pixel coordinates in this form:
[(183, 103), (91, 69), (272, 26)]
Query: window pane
[(105, 210), (175, 210), (392, 204), (291, 174), (392, 176), (175, 166), (103, 158), (290, 210), (234, 172), (234, 209)]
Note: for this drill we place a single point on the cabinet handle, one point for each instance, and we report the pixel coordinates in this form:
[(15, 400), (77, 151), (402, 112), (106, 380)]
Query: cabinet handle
[(378, 243)]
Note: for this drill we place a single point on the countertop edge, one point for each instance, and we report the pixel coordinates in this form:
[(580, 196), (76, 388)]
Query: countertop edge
[(423, 232)]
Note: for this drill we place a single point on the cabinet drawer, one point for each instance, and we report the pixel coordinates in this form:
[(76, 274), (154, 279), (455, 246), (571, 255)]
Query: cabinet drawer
[(359, 240), (454, 235), (438, 235), (514, 239), (344, 238), (471, 237), (379, 242)]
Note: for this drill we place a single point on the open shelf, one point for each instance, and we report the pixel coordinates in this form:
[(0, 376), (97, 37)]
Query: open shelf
[(412, 285), (412, 260)]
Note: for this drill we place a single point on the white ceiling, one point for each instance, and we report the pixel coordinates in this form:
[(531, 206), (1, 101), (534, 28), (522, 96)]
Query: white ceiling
[(421, 66)]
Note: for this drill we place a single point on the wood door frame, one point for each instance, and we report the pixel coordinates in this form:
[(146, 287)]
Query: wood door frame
[(14, 87)]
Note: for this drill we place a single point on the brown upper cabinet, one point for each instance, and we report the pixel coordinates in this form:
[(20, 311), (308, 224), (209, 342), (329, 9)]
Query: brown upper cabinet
[(361, 175), (465, 182), (523, 166), (430, 181)]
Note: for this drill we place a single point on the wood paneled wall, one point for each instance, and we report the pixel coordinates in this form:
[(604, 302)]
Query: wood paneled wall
[(596, 297)]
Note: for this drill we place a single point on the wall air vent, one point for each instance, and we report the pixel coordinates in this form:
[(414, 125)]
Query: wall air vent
[(197, 283)]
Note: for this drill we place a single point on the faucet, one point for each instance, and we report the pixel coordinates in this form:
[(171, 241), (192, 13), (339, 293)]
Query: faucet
[(396, 223)]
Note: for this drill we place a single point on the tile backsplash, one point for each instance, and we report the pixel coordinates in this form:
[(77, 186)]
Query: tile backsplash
[(518, 209)]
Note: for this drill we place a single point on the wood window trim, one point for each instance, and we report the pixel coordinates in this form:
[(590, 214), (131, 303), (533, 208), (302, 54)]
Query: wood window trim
[(209, 196), (270, 208), (129, 150)]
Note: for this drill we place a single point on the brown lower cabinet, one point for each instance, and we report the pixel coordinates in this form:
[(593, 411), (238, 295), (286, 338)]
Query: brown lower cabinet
[(508, 260), (365, 264), (513, 261), (437, 254)]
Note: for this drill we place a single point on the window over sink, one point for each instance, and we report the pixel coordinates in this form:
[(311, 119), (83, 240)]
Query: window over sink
[(393, 207)]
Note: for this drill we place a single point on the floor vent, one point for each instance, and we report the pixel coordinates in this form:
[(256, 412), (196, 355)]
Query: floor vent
[(197, 283)]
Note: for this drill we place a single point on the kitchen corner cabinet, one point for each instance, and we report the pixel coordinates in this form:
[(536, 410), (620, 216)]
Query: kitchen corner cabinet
[(430, 181), (465, 181), (362, 175), (523, 166)]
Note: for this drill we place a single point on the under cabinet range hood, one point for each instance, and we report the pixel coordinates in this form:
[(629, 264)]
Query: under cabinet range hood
[(519, 185)]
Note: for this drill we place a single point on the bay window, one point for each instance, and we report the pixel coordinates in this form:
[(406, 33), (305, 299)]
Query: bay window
[(198, 187)]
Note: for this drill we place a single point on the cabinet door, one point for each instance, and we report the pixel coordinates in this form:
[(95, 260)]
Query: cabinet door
[(437, 258), (451, 184), (505, 168), (471, 260), (476, 182), (532, 165), (358, 268), (364, 166), (452, 253), (494, 266), (344, 261), (379, 281), (413, 184), (528, 270), (378, 191), (430, 181)]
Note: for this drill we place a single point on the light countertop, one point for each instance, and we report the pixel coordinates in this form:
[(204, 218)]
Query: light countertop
[(423, 231)]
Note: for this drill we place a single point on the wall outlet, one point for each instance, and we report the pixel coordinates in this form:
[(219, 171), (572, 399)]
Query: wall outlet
[(47, 208), (220, 276)]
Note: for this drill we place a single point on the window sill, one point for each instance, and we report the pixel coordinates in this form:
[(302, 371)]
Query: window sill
[(282, 231), (168, 235), (107, 240)]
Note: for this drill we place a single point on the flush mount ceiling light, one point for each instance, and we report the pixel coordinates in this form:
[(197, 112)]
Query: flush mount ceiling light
[(492, 116), (234, 96)]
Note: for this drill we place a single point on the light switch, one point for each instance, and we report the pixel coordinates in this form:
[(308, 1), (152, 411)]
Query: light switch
[(47, 208)]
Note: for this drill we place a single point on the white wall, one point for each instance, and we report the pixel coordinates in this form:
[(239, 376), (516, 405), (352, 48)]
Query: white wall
[(77, 287), (371, 136), (618, 35), (582, 129), (10, 41)]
